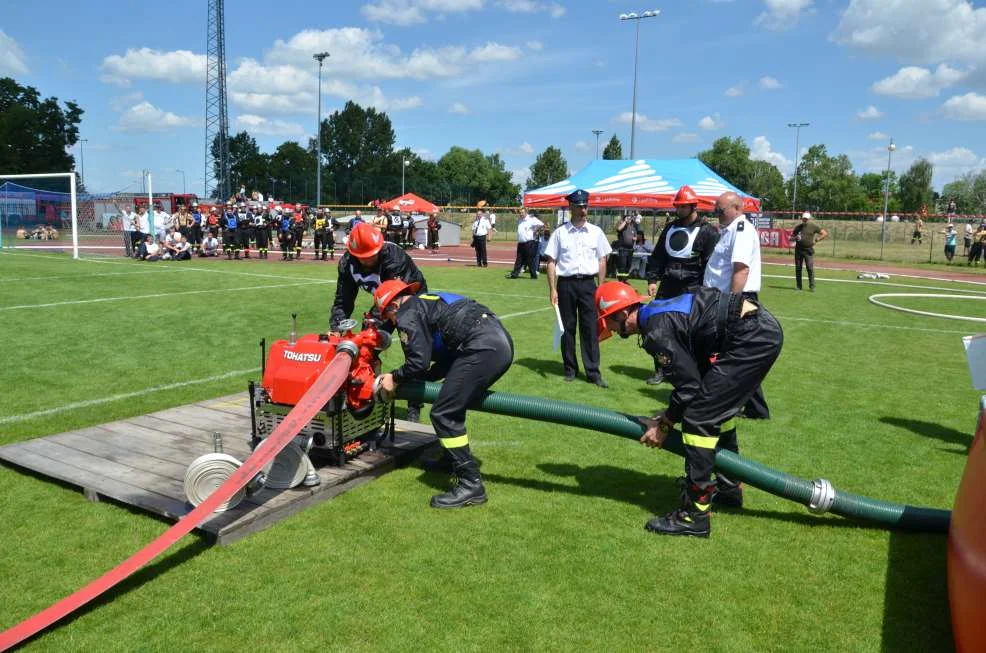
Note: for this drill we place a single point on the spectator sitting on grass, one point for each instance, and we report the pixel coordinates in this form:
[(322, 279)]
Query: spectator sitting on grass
[(210, 246), (149, 250), (182, 250)]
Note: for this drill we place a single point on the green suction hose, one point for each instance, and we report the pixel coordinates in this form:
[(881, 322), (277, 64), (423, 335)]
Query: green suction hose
[(819, 495)]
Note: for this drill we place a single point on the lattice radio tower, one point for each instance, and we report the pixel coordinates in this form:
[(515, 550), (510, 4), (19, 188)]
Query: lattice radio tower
[(216, 115)]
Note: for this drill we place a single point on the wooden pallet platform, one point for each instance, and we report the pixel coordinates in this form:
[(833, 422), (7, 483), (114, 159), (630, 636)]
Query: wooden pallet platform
[(142, 461)]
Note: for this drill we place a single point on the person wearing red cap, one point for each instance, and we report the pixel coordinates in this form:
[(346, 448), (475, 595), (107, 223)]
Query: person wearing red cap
[(678, 261), (716, 348), (451, 337)]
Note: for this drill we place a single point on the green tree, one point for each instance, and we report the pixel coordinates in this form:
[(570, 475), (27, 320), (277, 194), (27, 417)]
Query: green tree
[(968, 191), (767, 183), (294, 169), (358, 146), (548, 168), (873, 185), (730, 158), (248, 167), (915, 186), (473, 176), (613, 149), (36, 133), (827, 183)]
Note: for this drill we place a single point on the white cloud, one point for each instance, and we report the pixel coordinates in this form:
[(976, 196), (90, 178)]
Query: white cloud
[(878, 136), (783, 14), (251, 76), (555, 10), (458, 107), (919, 31), (268, 103), (913, 82), (710, 122), (145, 117), (12, 58), (495, 52), (970, 106), (535, 46), (956, 157), (582, 146), (424, 153), (520, 176), (734, 91), (264, 126), (685, 137), (409, 12), (760, 150), (176, 66), (768, 83), (525, 148), (126, 101), (869, 113), (649, 124)]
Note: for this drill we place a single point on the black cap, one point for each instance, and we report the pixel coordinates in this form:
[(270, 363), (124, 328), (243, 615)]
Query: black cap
[(578, 197)]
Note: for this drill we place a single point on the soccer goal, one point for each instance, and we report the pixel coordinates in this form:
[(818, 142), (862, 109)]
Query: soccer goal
[(45, 212)]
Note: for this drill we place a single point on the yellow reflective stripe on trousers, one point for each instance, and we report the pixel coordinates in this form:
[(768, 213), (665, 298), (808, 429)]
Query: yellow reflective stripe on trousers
[(455, 442), (700, 441), (728, 425)]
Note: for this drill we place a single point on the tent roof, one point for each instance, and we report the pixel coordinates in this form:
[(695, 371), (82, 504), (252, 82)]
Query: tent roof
[(644, 183), (410, 203)]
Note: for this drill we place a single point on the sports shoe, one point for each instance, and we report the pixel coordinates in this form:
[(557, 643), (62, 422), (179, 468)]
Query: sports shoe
[(680, 522), (657, 379)]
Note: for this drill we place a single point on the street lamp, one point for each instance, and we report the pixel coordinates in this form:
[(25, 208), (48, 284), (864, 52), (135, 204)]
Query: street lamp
[(404, 164), (797, 157), (183, 191), (82, 158), (320, 57), (597, 132), (886, 197), (636, 51)]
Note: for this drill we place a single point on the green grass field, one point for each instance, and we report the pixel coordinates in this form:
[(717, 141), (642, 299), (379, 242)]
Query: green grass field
[(878, 402)]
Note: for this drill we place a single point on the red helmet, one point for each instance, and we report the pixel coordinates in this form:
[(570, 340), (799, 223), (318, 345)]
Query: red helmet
[(388, 291), (365, 240), (612, 297), (685, 195)]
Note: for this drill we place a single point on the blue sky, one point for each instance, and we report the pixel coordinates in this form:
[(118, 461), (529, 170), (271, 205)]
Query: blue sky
[(515, 76)]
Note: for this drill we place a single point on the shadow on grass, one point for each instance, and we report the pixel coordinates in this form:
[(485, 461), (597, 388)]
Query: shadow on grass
[(543, 367), (931, 430), (639, 372), (776, 287), (915, 606)]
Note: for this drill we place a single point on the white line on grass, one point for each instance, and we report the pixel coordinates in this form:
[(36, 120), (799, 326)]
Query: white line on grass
[(536, 310), (86, 276), (885, 283), (213, 291), (120, 397), (866, 325)]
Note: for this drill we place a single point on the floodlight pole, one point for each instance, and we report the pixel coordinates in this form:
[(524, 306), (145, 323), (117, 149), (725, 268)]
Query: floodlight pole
[(82, 158), (597, 132), (636, 52), (404, 164), (886, 197), (797, 155), (320, 57), (150, 202)]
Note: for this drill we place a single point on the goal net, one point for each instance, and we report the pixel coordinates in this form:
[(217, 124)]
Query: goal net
[(44, 212)]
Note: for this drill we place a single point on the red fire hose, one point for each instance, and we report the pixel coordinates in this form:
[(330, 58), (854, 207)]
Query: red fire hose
[(328, 383)]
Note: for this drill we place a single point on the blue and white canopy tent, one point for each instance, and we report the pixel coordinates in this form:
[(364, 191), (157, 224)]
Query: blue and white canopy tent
[(644, 184)]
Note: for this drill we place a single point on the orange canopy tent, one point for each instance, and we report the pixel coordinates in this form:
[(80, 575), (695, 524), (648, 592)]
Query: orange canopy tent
[(409, 203)]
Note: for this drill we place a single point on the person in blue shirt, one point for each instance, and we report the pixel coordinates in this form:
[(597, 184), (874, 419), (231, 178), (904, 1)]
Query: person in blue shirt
[(951, 240)]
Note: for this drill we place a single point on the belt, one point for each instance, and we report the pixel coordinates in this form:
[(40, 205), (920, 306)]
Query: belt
[(580, 277)]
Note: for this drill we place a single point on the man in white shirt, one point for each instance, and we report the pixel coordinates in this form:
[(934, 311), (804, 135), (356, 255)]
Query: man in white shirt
[(735, 267), (576, 253), (528, 229), (131, 239), (210, 246), (481, 228), (143, 222)]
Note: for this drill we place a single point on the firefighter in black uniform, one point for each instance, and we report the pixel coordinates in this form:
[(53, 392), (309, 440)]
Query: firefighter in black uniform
[(261, 231), (195, 231), (298, 232), (682, 252), (395, 226), (369, 262), (284, 233), (229, 230), (244, 230), (451, 337), (686, 334), (321, 227)]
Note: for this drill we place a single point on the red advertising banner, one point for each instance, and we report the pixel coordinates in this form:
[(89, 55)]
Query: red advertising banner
[(775, 238)]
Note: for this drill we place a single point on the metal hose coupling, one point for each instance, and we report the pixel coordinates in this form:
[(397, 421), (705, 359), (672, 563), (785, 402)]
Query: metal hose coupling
[(385, 340), (378, 392), (349, 347), (822, 496)]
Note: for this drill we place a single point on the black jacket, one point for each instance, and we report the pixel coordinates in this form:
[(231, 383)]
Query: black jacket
[(394, 263), (689, 267), (431, 329)]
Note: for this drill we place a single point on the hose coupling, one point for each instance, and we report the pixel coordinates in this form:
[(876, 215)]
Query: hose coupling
[(822, 496), (349, 347)]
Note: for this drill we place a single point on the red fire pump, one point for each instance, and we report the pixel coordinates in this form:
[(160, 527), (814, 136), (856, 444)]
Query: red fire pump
[(352, 421)]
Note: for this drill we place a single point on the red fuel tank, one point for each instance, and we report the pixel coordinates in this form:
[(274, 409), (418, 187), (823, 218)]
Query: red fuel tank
[(292, 369)]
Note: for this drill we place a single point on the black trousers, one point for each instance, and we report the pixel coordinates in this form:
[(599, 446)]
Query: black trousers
[(624, 259), (481, 360), (577, 305), (526, 255), (805, 256), (752, 345), (480, 243)]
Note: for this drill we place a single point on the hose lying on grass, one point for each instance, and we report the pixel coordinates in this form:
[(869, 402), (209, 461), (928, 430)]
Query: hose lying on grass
[(819, 495)]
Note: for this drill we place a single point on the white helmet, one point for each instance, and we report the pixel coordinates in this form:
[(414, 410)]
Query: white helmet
[(806, 216)]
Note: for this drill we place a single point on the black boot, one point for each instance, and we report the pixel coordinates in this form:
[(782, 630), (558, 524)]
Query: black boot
[(657, 379), (691, 518), (728, 494), (467, 488), (413, 413)]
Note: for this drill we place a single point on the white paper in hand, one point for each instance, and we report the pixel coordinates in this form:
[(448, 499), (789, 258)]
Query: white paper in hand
[(559, 330), (975, 351)]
